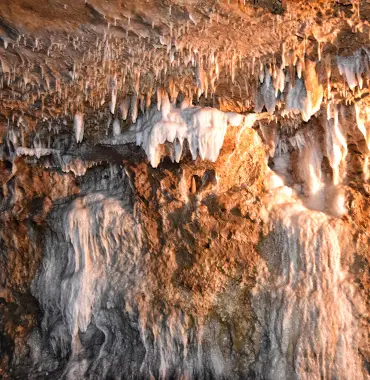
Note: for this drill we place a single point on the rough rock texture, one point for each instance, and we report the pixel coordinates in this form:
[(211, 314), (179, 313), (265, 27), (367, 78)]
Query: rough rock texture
[(28, 196), (255, 266), (199, 235)]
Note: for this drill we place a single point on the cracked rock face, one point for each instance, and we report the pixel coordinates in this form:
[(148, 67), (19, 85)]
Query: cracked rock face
[(185, 189)]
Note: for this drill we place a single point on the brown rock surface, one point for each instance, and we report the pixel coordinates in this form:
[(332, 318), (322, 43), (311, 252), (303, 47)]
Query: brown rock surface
[(161, 263)]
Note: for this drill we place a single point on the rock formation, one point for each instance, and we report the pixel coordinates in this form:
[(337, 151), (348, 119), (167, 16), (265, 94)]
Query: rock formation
[(185, 189)]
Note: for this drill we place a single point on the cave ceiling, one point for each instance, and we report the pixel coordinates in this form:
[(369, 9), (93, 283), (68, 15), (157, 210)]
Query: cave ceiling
[(63, 57)]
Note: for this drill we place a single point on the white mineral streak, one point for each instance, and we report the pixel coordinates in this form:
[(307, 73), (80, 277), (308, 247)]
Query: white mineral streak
[(100, 280), (299, 285), (266, 94), (244, 122), (279, 83), (183, 187), (310, 159), (12, 137), (366, 168), (159, 98), (74, 165), (273, 181), (304, 95), (116, 127), (203, 128), (363, 122), (78, 126), (298, 141), (299, 99), (296, 97), (87, 263), (352, 69), (336, 144), (303, 300), (299, 69), (134, 108), (337, 205), (38, 152), (95, 284), (37, 146), (235, 119), (186, 102), (125, 106), (165, 105)]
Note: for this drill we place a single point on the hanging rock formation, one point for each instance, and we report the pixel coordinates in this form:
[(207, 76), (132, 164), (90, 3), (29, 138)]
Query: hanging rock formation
[(185, 189)]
